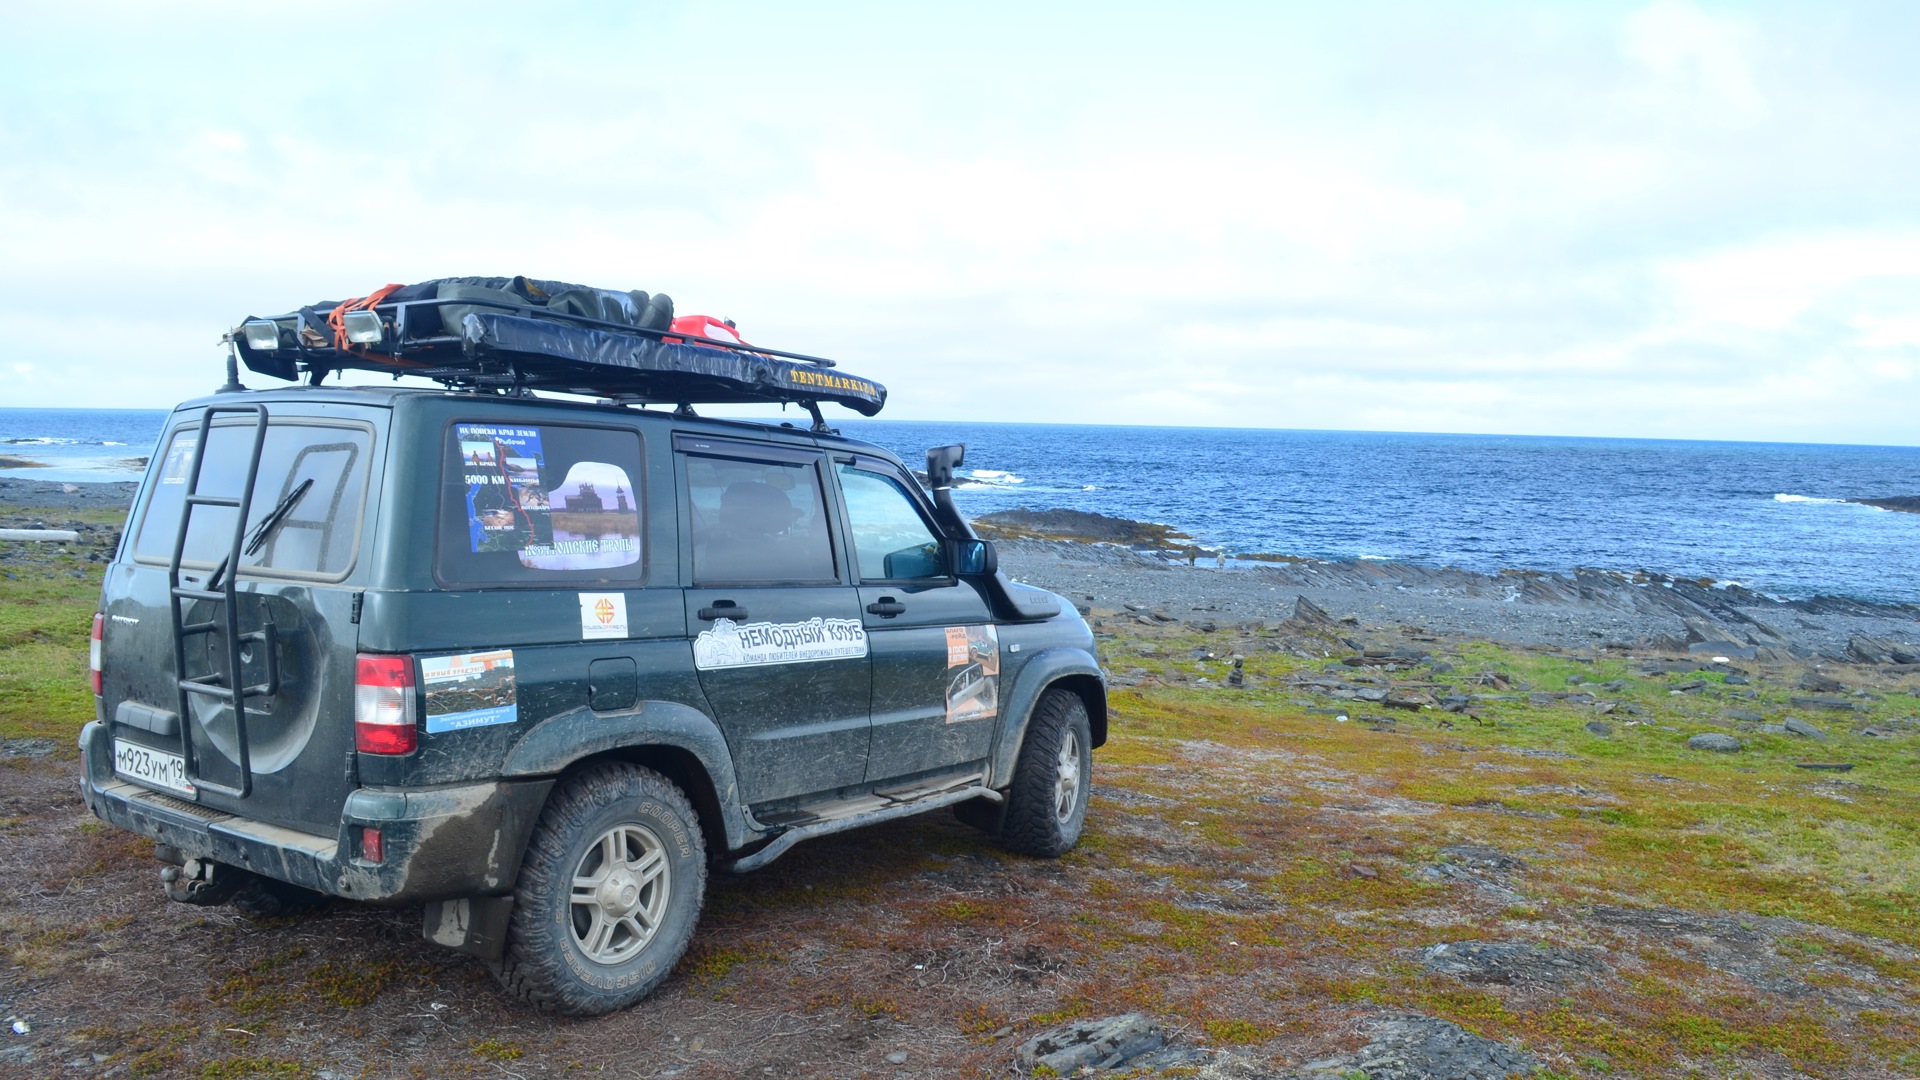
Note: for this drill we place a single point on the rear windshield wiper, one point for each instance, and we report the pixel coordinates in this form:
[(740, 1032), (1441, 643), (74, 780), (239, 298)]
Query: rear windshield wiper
[(257, 539)]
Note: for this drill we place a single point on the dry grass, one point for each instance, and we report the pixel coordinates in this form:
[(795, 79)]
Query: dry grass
[(1255, 874)]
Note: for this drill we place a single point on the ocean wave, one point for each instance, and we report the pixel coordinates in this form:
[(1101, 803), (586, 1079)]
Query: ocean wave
[(1376, 558), (1805, 499), (51, 440), (995, 476)]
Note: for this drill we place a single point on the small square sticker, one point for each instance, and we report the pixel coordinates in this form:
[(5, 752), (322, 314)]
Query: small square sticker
[(603, 615)]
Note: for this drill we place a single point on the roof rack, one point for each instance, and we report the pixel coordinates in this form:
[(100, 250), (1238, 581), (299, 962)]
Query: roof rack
[(487, 343)]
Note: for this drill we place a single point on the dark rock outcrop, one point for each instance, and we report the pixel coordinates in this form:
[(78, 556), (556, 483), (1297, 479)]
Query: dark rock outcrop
[(1906, 504)]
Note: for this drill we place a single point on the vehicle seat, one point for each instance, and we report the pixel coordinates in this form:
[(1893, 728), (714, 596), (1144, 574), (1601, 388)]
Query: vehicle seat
[(755, 539)]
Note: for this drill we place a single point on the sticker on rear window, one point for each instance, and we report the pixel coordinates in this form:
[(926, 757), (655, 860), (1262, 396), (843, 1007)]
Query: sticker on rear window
[(469, 690), (179, 458), (583, 519), (731, 644)]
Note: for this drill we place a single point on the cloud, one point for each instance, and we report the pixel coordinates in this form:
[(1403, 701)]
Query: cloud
[(1698, 65), (1602, 219)]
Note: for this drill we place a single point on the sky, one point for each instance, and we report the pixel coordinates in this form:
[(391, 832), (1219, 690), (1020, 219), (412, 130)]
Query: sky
[(1665, 219)]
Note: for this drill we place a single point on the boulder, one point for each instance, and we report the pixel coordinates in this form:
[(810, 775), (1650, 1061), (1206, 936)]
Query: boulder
[(1716, 742), (1307, 614), (1415, 1047), (1802, 728), (1877, 650), (1100, 1044), (1822, 684), (1838, 704)]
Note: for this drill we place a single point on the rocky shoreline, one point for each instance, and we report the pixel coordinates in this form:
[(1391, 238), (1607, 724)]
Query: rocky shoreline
[(1593, 609), (1150, 572)]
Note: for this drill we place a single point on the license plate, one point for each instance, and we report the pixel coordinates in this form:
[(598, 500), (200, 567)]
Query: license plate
[(155, 768)]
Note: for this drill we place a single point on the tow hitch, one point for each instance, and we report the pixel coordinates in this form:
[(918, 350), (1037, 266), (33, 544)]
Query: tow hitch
[(201, 882)]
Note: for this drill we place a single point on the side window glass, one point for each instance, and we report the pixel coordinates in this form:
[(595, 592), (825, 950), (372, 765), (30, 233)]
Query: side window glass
[(534, 503), (757, 521), (891, 541)]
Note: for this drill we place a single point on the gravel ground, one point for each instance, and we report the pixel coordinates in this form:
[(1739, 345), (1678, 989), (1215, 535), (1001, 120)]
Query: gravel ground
[(52, 495)]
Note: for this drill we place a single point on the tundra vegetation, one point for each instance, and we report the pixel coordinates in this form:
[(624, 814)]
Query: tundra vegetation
[(1266, 866)]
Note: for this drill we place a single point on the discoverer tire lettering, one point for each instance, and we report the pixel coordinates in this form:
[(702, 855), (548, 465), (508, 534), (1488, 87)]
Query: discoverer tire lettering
[(1047, 803), (608, 895)]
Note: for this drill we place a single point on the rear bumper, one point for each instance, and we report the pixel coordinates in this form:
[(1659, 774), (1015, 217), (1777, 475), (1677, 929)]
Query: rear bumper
[(441, 843)]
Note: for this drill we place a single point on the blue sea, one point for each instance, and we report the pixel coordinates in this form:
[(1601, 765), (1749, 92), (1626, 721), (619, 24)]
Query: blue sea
[(1771, 516)]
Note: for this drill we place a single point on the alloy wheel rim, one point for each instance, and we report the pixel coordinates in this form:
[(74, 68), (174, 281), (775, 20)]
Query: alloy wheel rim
[(619, 895), (1066, 796)]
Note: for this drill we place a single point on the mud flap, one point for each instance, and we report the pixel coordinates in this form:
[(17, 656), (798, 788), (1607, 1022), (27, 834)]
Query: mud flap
[(475, 925)]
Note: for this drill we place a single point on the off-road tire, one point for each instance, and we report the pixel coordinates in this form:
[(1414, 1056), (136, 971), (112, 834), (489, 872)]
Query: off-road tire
[(598, 821), (1047, 803), (267, 898)]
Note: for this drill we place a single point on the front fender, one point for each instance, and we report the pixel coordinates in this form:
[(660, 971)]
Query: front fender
[(557, 742), (1042, 670)]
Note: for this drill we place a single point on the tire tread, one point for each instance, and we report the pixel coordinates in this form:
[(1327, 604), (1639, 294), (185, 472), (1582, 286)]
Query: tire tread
[(1030, 827), (530, 968)]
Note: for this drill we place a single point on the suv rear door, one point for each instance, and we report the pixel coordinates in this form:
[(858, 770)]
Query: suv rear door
[(295, 589), (780, 647)]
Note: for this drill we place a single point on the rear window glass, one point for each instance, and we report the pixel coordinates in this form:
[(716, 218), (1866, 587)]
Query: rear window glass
[(536, 503), (319, 473)]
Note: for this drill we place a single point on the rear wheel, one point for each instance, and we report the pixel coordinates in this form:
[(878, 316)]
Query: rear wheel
[(609, 892), (1047, 804)]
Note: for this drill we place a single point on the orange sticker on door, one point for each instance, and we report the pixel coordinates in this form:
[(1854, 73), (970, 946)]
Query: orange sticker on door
[(973, 673)]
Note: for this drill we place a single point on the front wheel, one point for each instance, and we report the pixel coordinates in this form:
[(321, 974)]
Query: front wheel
[(609, 893), (1047, 804)]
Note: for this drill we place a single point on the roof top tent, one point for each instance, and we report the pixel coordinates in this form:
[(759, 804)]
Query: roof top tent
[(521, 333)]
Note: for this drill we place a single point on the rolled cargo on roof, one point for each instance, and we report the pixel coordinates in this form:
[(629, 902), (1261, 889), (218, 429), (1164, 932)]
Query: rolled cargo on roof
[(520, 332)]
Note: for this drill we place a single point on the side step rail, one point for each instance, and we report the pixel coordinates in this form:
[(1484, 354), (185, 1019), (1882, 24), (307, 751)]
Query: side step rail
[(793, 836), (220, 590)]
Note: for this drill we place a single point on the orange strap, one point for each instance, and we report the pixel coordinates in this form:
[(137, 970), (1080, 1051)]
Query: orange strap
[(337, 317)]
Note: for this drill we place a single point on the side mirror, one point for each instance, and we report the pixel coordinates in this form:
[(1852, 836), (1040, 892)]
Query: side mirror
[(974, 557)]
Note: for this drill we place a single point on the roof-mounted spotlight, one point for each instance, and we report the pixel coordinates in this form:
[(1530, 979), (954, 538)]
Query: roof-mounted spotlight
[(362, 327), (261, 334)]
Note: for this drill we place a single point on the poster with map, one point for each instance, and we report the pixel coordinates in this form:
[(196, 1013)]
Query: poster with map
[(583, 519)]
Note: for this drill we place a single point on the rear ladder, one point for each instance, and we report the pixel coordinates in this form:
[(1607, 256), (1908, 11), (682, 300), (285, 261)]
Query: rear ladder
[(220, 589)]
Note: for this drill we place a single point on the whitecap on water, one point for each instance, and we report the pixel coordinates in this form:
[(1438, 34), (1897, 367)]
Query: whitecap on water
[(1804, 499)]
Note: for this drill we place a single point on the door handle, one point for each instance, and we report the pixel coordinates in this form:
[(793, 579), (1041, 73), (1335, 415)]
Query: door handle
[(723, 609), (886, 607)]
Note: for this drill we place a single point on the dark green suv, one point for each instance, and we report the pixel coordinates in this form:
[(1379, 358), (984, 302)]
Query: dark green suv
[(538, 664)]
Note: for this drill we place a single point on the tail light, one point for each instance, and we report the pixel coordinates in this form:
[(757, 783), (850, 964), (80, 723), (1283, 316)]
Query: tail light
[(383, 708), (93, 654)]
